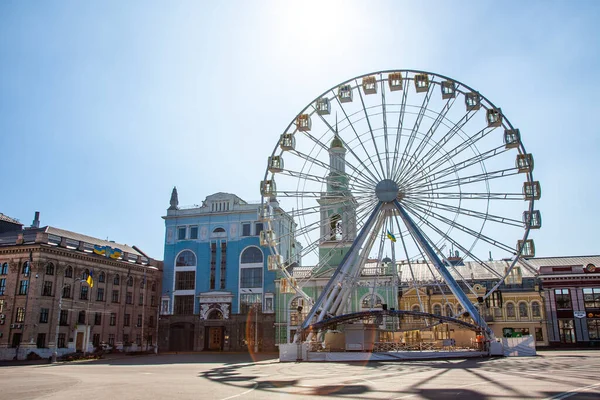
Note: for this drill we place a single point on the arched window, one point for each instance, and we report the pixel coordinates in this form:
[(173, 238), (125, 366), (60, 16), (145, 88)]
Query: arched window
[(154, 286), (69, 272), (252, 255), (142, 282), (437, 309), (371, 300), (4, 269), (449, 312), (130, 281), (186, 259), (335, 227), (510, 310), (523, 312), (50, 269), (26, 268), (101, 277), (85, 274), (416, 308), (116, 280), (219, 230), (215, 314), (536, 311), (459, 309)]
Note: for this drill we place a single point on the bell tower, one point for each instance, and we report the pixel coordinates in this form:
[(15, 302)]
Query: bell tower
[(337, 210)]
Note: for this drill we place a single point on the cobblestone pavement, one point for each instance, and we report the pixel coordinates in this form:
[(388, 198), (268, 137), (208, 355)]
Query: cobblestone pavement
[(550, 375)]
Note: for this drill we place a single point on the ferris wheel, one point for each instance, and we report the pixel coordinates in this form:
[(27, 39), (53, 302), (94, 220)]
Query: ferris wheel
[(401, 165)]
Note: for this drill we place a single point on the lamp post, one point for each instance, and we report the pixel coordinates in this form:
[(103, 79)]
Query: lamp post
[(60, 299)]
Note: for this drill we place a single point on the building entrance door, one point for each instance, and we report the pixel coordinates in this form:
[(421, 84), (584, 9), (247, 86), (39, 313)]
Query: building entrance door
[(215, 338), (79, 342)]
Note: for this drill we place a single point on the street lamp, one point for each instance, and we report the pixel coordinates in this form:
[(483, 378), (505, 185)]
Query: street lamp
[(62, 291)]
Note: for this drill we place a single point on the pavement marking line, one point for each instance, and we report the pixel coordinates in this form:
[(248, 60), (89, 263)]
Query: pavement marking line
[(241, 394), (458, 387), (572, 392)]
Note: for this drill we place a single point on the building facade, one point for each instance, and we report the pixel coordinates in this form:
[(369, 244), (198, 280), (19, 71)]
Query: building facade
[(47, 303), (572, 293), (217, 291)]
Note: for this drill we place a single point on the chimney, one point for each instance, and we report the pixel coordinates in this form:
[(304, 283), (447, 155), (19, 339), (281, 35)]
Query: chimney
[(36, 220)]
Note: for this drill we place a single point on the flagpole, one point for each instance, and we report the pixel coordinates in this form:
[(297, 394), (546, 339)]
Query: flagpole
[(143, 309), (90, 282)]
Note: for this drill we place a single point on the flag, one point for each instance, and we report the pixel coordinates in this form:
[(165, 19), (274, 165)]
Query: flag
[(90, 280), (391, 236)]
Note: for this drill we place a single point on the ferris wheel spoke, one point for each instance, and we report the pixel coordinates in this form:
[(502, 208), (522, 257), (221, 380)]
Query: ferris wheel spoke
[(456, 244), (439, 146), (466, 180), (370, 129), (470, 142), (361, 177), (357, 137), (477, 235), (466, 195), (400, 125), (413, 134), (385, 128), (432, 177), (428, 136), (470, 213)]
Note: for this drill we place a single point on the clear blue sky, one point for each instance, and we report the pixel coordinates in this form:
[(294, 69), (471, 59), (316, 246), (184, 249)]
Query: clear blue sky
[(106, 105)]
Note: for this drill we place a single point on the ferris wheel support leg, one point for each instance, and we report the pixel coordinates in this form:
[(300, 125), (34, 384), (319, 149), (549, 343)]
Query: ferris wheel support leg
[(342, 267), (441, 268)]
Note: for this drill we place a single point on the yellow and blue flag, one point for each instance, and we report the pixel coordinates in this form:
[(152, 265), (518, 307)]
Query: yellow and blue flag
[(90, 280), (116, 253), (391, 236)]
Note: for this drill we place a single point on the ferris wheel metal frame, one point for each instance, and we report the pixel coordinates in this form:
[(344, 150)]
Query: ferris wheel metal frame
[(394, 178)]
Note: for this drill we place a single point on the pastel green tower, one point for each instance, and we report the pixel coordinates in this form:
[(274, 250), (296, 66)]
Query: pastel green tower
[(337, 211)]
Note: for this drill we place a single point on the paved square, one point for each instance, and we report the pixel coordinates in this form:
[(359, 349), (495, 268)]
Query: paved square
[(550, 375)]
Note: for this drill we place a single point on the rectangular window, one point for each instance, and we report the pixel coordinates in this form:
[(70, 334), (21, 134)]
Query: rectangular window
[(566, 330), (96, 339), (44, 315), (83, 295), (251, 277), (47, 288), (164, 308), (258, 228), (184, 305), (115, 296), (151, 325), (81, 317), (249, 301), (61, 340), (64, 318), (152, 301), (16, 339), (67, 292), (23, 286), (41, 340), (100, 294), (2, 286), (126, 339), (223, 263), (563, 299), (213, 264), (245, 229), (111, 339), (185, 280), (113, 319), (593, 326), (98, 318), (139, 320), (4, 269), (20, 314), (138, 339), (194, 232), (591, 297), (539, 335), (127, 320), (129, 298), (181, 233)]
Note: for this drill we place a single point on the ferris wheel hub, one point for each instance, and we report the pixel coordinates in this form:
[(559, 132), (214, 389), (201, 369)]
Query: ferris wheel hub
[(386, 190)]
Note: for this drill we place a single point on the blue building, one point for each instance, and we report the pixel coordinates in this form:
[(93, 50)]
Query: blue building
[(218, 292)]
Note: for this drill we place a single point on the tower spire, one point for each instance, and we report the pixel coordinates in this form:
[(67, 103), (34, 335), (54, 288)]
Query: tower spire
[(174, 199)]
